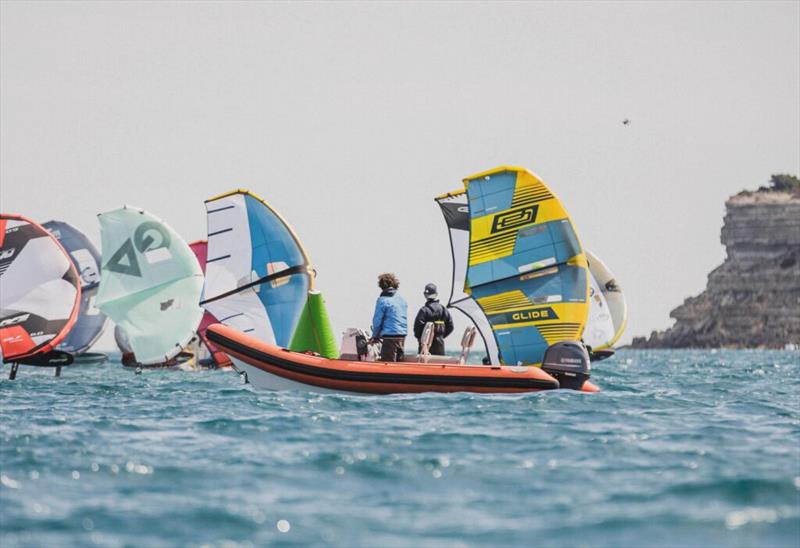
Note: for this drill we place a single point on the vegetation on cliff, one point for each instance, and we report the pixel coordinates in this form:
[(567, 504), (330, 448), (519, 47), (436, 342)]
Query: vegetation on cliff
[(778, 182)]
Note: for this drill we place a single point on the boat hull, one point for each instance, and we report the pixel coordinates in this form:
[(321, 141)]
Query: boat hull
[(271, 367), (264, 380)]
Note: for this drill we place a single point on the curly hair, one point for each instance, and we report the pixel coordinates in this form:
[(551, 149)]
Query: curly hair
[(387, 280)]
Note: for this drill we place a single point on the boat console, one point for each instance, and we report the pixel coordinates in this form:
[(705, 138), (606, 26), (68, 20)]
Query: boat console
[(356, 347)]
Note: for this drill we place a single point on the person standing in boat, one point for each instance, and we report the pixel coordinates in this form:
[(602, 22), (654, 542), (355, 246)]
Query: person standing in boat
[(433, 311), (390, 321)]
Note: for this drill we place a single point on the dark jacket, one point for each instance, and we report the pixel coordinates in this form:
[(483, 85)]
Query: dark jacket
[(433, 311)]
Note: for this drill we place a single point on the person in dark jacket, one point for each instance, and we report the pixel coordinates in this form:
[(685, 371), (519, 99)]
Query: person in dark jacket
[(433, 311), (390, 321)]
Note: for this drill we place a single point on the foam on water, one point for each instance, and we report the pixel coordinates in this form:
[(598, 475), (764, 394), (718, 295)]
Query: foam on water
[(681, 447)]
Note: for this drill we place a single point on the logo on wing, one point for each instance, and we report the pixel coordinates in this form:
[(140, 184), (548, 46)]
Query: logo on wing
[(514, 218), (7, 253), (534, 314), (148, 236), (15, 320)]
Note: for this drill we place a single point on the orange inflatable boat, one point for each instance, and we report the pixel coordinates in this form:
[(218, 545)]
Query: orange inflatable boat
[(274, 368)]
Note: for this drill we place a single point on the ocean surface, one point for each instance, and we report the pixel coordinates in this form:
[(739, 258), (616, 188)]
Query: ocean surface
[(681, 448)]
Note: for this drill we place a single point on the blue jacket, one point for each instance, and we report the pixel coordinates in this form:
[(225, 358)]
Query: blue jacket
[(391, 315)]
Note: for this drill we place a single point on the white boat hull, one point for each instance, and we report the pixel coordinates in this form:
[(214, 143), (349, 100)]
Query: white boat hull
[(263, 380)]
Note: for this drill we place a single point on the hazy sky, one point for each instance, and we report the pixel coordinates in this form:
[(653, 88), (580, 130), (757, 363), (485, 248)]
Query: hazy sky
[(350, 117)]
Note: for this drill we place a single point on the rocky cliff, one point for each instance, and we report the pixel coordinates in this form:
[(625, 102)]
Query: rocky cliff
[(752, 300)]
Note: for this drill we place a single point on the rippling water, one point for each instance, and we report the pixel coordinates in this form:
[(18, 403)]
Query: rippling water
[(680, 448)]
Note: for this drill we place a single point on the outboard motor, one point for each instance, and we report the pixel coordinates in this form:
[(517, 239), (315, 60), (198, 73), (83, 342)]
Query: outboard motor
[(568, 362)]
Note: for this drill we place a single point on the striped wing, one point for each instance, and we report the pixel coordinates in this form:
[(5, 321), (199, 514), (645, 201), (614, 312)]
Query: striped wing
[(526, 269), (257, 272)]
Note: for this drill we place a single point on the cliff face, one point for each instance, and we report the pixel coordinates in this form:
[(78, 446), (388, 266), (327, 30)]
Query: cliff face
[(752, 300)]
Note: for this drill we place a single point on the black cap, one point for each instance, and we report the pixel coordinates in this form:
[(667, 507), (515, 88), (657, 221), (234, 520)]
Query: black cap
[(431, 291)]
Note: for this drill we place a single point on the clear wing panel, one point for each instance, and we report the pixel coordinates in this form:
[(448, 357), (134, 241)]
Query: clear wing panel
[(455, 209)]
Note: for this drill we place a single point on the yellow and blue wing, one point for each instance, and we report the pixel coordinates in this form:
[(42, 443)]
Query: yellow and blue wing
[(526, 269)]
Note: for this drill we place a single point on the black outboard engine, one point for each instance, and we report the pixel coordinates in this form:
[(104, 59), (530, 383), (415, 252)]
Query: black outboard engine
[(568, 362)]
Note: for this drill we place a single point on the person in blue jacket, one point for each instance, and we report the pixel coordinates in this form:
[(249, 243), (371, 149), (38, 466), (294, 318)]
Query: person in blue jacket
[(390, 321)]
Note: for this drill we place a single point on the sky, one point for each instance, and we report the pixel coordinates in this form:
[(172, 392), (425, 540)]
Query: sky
[(350, 117)]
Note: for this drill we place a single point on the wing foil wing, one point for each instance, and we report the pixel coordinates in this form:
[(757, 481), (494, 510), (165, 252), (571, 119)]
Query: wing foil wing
[(200, 250), (257, 271), (150, 283), (526, 271), (39, 289), (608, 313), (84, 255)]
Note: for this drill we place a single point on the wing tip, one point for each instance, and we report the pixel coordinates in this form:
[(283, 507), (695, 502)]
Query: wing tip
[(229, 193), (451, 194)]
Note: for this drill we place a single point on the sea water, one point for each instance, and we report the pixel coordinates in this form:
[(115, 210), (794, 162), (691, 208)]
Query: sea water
[(681, 448)]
